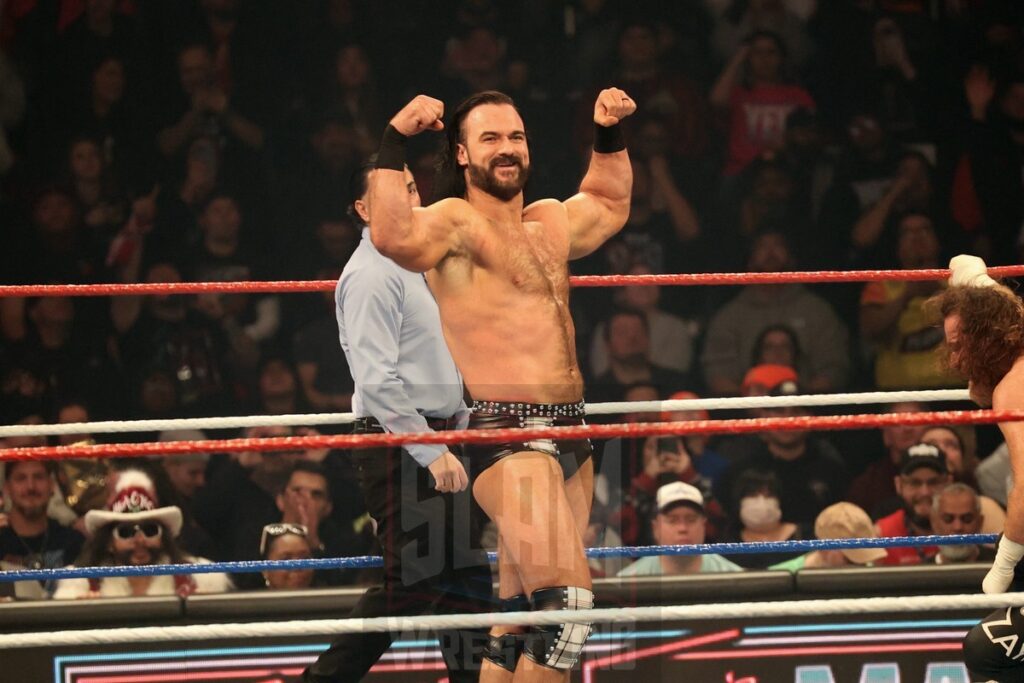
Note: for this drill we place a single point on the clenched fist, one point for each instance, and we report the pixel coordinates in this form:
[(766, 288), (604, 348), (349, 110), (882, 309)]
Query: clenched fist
[(449, 474), (612, 106), (422, 113)]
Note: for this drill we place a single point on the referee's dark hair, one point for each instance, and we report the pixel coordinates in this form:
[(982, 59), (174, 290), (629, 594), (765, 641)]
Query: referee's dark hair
[(358, 184)]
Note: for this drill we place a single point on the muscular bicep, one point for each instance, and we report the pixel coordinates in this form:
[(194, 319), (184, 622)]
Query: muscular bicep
[(416, 238), (592, 220), (432, 236)]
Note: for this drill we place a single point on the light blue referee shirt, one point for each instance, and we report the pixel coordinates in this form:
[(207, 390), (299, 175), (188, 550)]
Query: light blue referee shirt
[(390, 331)]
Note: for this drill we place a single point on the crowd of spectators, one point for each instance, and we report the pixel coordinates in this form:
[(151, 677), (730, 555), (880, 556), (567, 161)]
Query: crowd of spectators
[(213, 140)]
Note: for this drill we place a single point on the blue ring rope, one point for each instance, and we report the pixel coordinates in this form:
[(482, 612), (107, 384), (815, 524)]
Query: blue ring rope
[(369, 561)]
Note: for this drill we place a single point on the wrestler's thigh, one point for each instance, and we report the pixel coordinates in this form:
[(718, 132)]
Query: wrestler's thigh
[(509, 583), (526, 498), (579, 490)]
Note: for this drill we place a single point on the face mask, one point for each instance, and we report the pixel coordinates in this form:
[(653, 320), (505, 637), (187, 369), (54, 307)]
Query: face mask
[(760, 513)]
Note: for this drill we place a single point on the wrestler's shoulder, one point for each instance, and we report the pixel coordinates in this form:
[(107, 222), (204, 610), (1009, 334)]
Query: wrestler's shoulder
[(451, 204), (458, 210), (544, 210), (1010, 390)]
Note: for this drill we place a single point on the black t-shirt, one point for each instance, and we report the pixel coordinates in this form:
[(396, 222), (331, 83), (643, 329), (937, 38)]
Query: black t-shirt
[(191, 351), (234, 510), (58, 547), (607, 388), (810, 483)]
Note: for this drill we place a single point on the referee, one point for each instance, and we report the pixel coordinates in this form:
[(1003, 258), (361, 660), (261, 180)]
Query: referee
[(405, 382)]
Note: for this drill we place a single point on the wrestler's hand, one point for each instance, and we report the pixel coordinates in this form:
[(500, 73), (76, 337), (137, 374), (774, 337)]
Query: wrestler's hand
[(422, 113), (1000, 576), (612, 106), (449, 474)]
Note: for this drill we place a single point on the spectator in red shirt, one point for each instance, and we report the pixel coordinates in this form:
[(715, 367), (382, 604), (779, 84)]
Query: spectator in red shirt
[(757, 96), (923, 473), (874, 487)]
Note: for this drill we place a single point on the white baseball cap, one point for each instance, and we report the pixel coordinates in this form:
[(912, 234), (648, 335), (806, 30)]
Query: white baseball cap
[(677, 493)]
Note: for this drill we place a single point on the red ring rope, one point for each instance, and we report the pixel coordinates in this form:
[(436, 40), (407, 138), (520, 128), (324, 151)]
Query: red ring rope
[(286, 443), (289, 286)]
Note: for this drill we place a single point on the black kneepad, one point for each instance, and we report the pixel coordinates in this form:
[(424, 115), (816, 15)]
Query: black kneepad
[(559, 646), (506, 649)]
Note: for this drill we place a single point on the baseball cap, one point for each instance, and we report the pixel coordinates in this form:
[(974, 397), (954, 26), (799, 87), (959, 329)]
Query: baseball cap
[(923, 455), (846, 520), (679, 493), (770, 380), (668, 415)]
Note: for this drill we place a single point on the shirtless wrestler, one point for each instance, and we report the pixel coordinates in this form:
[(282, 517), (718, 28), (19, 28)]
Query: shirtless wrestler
[(984, 326), (499, 272)]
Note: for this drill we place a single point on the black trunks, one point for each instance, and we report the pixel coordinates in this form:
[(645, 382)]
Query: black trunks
[(570, 454)]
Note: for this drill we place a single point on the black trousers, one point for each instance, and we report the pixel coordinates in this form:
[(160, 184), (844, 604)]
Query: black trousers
[(433, 564), (994, 649)]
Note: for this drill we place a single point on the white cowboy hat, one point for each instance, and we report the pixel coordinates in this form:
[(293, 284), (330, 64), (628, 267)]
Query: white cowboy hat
[(134, 501)]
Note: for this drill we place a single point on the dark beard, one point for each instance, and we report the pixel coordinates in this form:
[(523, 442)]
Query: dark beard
[(35, 512), (485, 179), (124, 557), (922, 523)]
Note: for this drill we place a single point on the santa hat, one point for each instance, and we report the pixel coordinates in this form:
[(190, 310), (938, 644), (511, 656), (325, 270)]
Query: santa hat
[(134, 500)]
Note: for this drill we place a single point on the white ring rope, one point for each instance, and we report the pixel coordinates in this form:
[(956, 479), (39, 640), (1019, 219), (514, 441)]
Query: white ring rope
[(738, 610), (313, 419)]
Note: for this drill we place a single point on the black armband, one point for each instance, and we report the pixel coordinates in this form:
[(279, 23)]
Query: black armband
[(391, 154), (608, 139)]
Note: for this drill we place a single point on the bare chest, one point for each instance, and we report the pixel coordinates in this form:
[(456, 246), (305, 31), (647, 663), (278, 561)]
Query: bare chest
[(530, 259)]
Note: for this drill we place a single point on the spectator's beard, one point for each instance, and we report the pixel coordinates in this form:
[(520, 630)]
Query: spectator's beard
[(922, 522), (486, 179), (957, 553), (127, 557), (34, 512)]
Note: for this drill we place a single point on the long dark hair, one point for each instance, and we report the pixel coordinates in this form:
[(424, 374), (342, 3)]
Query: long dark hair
[(450, 181), (96, 552)]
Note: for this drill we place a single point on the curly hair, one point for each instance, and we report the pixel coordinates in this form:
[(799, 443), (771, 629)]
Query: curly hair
[(991, 331)]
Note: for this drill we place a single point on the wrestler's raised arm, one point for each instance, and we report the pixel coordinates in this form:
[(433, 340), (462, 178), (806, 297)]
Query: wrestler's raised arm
[(601, 207), (414, 238)]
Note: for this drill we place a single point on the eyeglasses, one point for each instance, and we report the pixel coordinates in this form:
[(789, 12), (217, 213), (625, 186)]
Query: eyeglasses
[(923, 483), (280, 529), (148, 529)]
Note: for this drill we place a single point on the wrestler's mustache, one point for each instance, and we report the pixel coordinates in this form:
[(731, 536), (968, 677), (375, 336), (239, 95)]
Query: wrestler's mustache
[(506, 159)]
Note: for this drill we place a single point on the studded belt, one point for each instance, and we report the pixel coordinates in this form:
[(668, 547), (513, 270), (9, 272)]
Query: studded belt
[(530, 409)]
